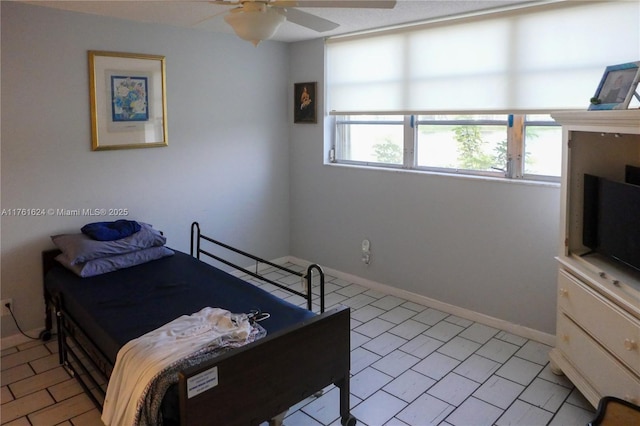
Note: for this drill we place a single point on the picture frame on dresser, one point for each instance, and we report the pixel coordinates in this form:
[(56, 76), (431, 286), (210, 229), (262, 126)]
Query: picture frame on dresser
[(617, 87), (127, 95)]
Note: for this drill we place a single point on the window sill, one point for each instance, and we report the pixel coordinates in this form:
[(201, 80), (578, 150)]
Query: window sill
[(527, 182)]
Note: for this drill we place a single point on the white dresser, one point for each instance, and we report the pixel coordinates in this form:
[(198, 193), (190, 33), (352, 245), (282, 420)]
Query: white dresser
[(598, 311)]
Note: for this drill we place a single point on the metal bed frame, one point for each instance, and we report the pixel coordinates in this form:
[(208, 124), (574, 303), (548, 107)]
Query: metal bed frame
[(257, 382), (196, 250)]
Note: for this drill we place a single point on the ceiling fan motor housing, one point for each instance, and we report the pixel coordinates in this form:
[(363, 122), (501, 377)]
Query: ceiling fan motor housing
[(254, 22)]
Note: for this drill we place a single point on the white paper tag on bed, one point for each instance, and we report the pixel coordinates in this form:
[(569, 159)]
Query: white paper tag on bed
[(202, 382)]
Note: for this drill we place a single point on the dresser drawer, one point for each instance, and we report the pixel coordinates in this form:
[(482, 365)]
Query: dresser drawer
[(596, 365), (609, 325)]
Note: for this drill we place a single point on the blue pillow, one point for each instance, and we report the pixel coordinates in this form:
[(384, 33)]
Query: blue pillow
[(113, 263), (109, 231), (79, 248)]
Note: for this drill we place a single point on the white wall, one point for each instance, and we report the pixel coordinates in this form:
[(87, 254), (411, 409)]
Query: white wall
[(226, 164), (482, 245)]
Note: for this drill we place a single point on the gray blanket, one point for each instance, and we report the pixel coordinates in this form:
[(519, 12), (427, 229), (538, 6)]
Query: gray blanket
[(148, 409)]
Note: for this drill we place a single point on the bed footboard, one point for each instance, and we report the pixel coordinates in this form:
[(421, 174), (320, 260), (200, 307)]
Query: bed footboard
[(264, 378)]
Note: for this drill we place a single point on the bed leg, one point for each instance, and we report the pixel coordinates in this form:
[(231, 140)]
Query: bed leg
[(346, 418), (48, 321), (62, 354)]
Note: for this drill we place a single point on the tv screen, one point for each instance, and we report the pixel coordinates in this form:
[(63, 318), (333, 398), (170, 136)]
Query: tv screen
[(612, 219), (632, 175), (590, 212)]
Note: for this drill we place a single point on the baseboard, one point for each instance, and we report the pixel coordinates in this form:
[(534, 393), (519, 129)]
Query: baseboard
[(519, 330), (19, 339), (259, 267)]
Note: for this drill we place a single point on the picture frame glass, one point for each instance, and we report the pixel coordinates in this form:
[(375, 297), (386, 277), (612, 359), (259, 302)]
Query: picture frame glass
[(617, 87), (128, 103)]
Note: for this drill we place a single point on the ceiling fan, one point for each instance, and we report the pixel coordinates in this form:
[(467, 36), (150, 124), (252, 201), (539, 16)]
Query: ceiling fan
[(257, 20)]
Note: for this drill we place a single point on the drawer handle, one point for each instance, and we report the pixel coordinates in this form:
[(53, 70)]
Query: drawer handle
[(630, 344), (564, 292)]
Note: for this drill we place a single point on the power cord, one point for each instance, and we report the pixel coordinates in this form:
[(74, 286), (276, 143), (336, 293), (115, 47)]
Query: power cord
[(44, 335)]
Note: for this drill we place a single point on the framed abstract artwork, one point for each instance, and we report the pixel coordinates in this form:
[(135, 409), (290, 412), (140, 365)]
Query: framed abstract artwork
[(128, 100)]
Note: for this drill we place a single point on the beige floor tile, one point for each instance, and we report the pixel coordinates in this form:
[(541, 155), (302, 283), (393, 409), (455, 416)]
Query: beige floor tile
[(52, 345), (41, 381), (8, 351), (22, 406), (21, 357), (65, 389), (15, 374), (5, 395), (90, 418), (30, 344), (61, 411), (46, 363), (22, 421)]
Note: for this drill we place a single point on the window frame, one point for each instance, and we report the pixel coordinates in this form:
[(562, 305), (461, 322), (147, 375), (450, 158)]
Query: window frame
[(335, 142), (515, 125)]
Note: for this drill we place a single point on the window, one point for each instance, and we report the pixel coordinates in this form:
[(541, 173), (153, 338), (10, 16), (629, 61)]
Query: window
[(370, 139), (542, 146), (471, 143), (460, 67), (512, 146)]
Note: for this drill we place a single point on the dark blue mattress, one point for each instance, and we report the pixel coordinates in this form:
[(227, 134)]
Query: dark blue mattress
[(116, 307)]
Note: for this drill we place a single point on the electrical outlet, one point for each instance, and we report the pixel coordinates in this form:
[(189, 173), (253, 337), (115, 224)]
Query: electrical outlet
[(366, 251), (5, 310)]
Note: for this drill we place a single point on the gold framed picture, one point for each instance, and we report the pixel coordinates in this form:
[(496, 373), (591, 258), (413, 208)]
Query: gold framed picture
[(128, 100)]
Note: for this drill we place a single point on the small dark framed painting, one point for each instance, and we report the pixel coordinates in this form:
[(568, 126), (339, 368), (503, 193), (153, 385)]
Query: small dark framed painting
[(304, 103)]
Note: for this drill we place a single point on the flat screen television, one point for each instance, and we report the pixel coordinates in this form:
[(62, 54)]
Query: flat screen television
[(611, 219), (632, 174)]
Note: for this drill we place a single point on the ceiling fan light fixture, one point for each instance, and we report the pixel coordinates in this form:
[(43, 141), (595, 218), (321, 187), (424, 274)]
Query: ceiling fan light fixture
[(255, 25)]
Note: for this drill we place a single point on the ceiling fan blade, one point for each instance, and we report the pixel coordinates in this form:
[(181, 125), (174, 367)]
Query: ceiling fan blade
[(308, 20), (206, 18), (369, 4)]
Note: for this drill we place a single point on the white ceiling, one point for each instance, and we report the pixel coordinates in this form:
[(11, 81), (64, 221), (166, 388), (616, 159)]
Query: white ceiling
[(185, 13)]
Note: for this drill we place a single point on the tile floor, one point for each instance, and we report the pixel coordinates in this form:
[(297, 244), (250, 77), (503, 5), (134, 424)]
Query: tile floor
[(411, 365)]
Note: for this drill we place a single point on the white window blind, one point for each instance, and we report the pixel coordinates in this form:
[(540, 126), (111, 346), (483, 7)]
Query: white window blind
[(538, 58)]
